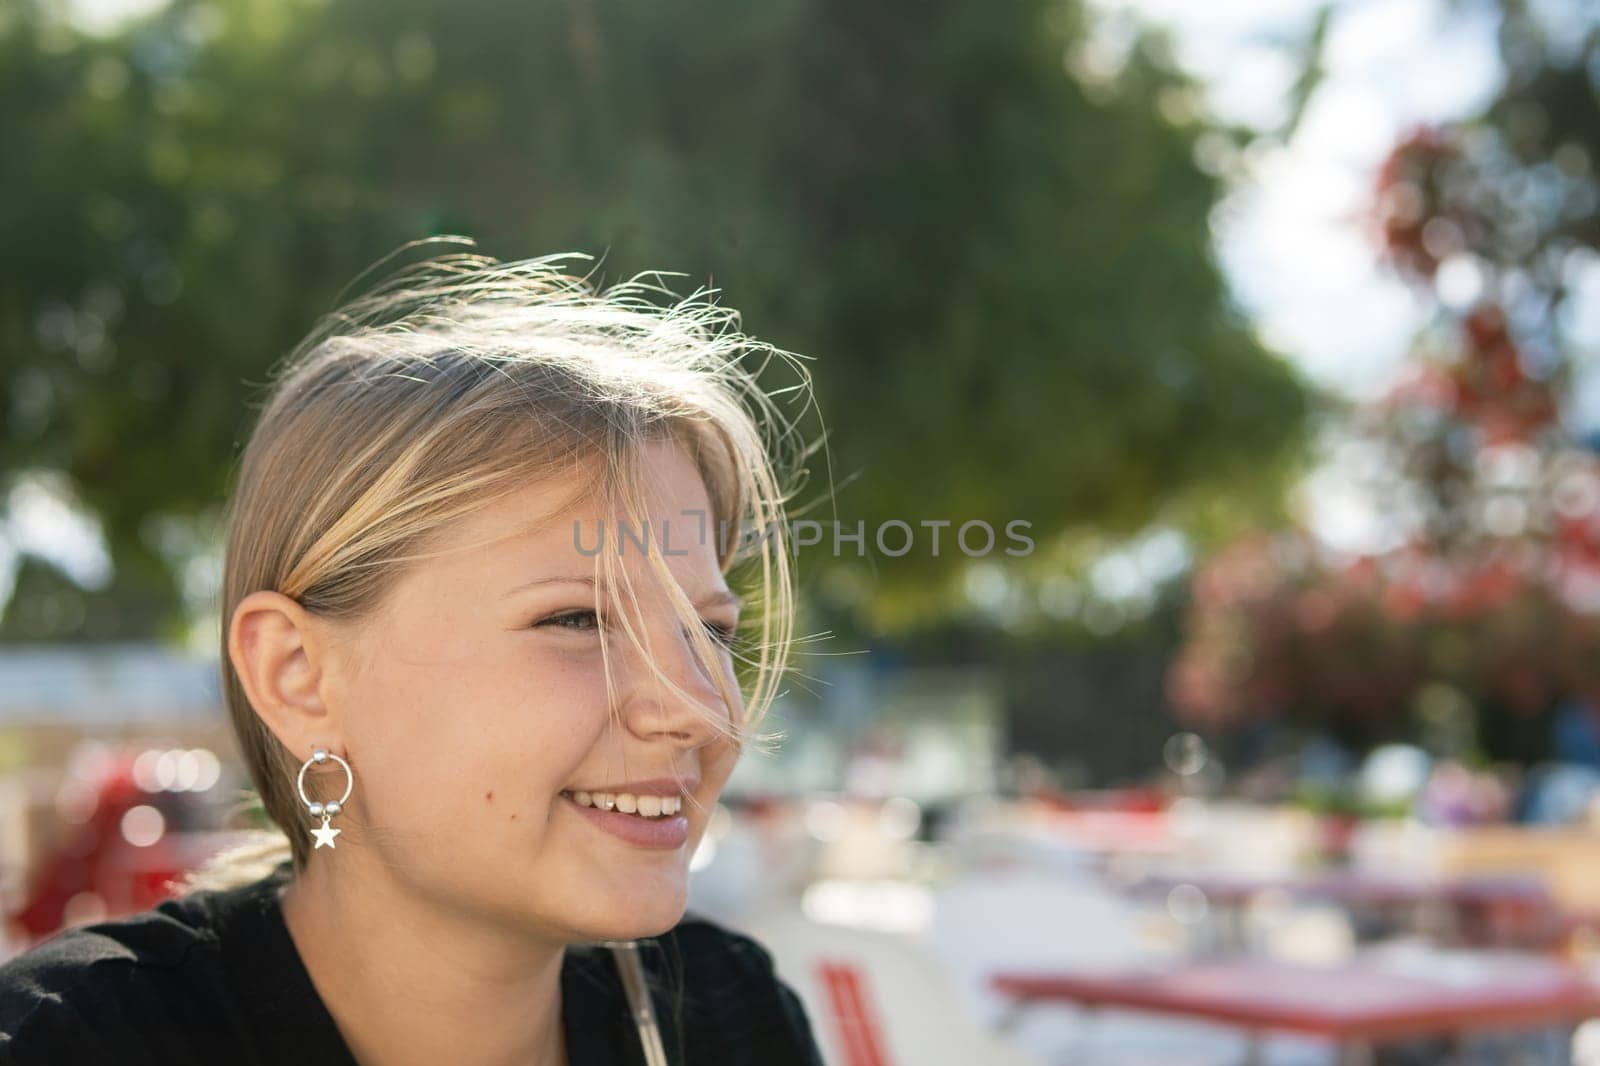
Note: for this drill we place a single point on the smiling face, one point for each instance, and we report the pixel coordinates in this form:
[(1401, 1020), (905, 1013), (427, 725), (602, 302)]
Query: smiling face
[(477, 699)]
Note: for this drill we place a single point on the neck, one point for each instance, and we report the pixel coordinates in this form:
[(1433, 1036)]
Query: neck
[(408, 980)]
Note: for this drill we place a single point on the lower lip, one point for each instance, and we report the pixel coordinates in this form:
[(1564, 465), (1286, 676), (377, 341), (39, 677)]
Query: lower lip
[(663, 833)]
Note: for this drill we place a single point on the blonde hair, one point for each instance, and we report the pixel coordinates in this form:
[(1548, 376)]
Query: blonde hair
[(461, 379)]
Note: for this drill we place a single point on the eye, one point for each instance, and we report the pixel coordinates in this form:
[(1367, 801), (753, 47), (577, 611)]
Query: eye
[(721, 632), (583, 620)]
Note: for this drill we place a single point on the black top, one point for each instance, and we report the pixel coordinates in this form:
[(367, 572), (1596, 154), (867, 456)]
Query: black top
[(214, 977)]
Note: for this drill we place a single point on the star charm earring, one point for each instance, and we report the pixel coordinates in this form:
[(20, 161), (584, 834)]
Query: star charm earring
[(325, 835), (327, 810)]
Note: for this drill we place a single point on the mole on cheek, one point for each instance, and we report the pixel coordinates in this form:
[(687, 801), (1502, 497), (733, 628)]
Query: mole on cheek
[(489, 795), (513, 816)]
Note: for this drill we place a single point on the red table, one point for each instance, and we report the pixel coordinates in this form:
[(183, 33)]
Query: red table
[(1375, 998), (1492, 910), (1361, 888)]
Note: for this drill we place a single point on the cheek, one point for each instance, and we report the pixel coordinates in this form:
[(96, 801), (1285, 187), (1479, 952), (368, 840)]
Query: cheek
[(444, 740)]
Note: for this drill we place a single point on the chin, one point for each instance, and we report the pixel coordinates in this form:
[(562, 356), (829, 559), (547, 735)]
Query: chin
[(640, 922)]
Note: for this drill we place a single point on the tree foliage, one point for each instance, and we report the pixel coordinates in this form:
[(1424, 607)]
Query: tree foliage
[(1005, 276)]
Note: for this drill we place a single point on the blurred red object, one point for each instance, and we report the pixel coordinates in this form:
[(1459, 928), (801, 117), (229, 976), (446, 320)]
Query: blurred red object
[(1122, 800), (97, 871)]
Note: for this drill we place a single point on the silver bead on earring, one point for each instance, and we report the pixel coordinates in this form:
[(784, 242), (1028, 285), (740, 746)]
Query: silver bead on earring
[(326, 810)]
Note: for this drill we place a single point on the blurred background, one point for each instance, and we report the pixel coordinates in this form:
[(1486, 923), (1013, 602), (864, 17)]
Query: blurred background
[(1276, 322)]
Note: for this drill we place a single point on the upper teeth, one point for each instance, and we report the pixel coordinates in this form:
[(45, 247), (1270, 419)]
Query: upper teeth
[(627, 802)]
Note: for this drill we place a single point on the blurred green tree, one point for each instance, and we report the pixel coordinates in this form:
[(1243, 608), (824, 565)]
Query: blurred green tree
[(995, 243)]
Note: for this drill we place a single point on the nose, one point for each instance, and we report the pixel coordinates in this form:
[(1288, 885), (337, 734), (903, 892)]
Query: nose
[(652, 709)]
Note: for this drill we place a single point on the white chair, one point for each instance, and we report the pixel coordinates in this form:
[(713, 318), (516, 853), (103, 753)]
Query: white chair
[(875, 998)]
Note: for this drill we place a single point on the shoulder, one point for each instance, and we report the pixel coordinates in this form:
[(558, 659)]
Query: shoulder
[(84, 960), (731, 1002), (77, 994)]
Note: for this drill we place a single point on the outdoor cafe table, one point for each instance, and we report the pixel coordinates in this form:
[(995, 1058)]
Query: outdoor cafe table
[(1355, 887), (1448, 904), (1376, 997)]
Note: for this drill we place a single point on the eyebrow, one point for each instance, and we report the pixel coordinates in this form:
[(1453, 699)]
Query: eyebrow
[(719, 598)]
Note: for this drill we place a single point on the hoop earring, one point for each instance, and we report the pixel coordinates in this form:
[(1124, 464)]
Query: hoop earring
[(327, 810)]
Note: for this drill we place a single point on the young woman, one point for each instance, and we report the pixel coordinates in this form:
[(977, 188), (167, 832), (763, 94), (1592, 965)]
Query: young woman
[(496, 630)]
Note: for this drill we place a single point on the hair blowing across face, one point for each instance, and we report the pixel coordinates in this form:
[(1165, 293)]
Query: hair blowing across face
[(461, 378)]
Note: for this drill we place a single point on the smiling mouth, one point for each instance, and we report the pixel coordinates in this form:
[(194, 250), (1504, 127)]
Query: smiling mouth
[(641, 806)]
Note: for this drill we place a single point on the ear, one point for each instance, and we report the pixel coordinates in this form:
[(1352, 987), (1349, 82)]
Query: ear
[(287, 666)]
